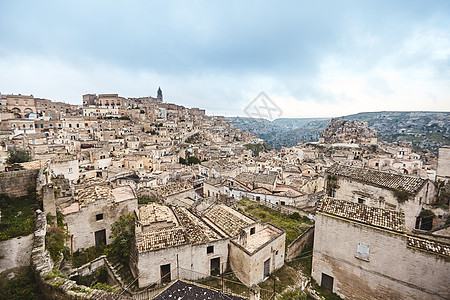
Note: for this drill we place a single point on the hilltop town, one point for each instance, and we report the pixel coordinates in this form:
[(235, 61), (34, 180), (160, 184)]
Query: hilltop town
[(137, 198)]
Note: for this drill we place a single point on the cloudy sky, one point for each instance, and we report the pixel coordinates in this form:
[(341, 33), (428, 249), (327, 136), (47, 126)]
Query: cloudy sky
[(312, 58)]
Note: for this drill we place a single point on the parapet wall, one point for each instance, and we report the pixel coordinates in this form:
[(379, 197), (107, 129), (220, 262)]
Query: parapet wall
[(16, 183), (58, 287)]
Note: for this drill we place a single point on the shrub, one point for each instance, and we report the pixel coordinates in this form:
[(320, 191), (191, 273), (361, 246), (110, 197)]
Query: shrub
[(122, 233), (18, 155), (55, 241), (401, 195), (104, 286)]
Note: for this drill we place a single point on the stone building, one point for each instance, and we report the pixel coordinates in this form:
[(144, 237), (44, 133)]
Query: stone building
[(95, 209), (255, 250), (173, 242), (363, 252), (380, 189)]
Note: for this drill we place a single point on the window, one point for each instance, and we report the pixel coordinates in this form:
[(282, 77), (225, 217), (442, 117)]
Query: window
[(70, 125), (327, 282), (99, 217), (70, 170), (252, 230), (78, 125), (361, 201), (266, 268), (209, 249)]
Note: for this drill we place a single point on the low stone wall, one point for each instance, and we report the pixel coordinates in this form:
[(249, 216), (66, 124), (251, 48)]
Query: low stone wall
[(58, 287), (16, 183), (299, 244), (16, 252)]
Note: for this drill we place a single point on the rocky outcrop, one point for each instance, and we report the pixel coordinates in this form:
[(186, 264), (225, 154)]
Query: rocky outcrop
[(348, 132)]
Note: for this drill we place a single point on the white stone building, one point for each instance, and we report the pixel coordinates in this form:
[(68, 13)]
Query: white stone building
[(364, 252)]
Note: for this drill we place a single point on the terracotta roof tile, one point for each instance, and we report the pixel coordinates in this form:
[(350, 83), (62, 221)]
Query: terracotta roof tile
[(387, 180), (429, 245), (379, 217)]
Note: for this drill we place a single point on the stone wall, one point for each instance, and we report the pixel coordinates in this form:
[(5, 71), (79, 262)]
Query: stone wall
[(16, 183), (15, 252), (58, 287), (391, 270), (299, 244)]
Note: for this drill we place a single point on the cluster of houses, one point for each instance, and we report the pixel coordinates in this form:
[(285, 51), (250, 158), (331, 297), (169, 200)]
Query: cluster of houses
[(381, 216)]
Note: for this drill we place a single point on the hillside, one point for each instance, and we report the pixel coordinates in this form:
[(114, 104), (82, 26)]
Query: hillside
[(426, 130)]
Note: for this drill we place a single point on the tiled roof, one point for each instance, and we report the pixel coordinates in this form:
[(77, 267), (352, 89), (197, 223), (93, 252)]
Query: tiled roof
[(374, 216), (196, 230), (258, 178), (93, 193), (429, 245), (228, 220), (173, 188), (155, 212), (160, 239), (387, 180)]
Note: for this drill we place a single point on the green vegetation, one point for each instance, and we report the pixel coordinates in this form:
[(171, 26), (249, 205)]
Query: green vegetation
[(104, 286), (294, 226), (22, 286), (17, 215), (81, 257), (401, 195), (55, 273), (18, 155), (122, 233), (257, 148), (78, 289), (192, 160), (145, 200), (56, 238)]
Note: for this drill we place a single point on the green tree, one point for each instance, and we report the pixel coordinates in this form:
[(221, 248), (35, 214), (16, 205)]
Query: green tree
[(193, 160), (18, 155), (122, 233)]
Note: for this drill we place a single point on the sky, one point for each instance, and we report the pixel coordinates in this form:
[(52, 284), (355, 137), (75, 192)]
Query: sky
[(310, 58)]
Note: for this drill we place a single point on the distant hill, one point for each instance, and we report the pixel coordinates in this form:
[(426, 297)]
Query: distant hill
[(426, 130)]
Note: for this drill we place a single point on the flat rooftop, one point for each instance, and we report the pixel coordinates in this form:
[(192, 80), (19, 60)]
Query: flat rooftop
[(255, 241)]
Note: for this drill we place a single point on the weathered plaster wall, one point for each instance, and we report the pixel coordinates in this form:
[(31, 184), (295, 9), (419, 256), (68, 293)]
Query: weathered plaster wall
[(83, 224), (249, 268), (305, 240), (393, 271), (193, 261)]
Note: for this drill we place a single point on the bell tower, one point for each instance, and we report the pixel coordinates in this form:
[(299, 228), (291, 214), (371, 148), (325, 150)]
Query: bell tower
[(160, 95)]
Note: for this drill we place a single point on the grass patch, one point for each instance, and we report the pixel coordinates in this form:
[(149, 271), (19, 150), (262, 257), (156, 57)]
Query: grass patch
[(18, 215), (104, 287), (293, 226), (22, 286)]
